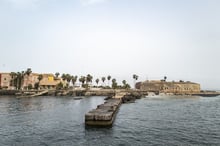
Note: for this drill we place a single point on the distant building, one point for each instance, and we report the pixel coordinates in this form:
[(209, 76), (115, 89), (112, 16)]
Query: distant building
[(48, 81), (5, 80), (31, 79), (169, 87)]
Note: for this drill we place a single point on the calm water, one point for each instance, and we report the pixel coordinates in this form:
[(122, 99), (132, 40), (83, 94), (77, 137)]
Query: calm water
[(150, 121)]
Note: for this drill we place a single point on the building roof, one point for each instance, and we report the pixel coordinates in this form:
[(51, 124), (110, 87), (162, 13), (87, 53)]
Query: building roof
[(167, 82)]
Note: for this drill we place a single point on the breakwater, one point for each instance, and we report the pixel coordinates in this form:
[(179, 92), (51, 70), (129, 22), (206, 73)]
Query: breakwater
[(104, 114)]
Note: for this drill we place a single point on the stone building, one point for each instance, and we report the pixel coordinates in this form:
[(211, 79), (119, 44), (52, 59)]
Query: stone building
[(5, 80), (169, 87), (48, 81), (30, 80)]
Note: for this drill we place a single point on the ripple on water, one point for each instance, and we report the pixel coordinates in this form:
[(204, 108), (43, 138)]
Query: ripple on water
[(60, 121)]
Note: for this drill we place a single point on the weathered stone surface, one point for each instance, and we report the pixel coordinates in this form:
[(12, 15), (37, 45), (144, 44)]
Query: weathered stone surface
[(104, 114)]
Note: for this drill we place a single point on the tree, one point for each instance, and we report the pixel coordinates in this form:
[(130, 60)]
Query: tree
[(165, 78), (103, 80), (97, 81), (82, 79), (135, 77), (68, 78), (28, 71), (57, 74), (40, 77), (13, 78), (114, 84), (125, 85), (89, 79), (124, 82), (74, 79), (63, 77), (109, 78), (59, 86)]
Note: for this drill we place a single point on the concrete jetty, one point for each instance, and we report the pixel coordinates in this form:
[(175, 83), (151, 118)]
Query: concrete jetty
[(104, 114)]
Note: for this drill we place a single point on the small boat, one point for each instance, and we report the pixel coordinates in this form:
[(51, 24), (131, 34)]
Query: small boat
[(78, 98)]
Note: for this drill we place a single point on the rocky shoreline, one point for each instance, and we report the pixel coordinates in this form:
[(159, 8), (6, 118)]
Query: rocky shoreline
[(130, 94)]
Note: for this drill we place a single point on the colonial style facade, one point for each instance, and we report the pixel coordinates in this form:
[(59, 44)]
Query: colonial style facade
[(48, 81), (169, 87), (5, 80)]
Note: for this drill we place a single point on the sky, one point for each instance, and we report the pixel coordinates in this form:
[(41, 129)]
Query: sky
[(150, 38)]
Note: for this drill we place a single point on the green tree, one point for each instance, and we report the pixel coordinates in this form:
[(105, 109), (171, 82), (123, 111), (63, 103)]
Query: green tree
[(28, 71), (97, 81), (124, 82), (40, 77), (114, 84), (165, 78), (74, 79), (64, 77), (89, 78), (13, 79), (109, 78), (103, 80), (135, 77), (68, 78), (82, 79), (57, 74), (59, 86)]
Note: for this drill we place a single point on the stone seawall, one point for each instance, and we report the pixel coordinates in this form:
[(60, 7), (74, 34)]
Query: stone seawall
[(104, 114)]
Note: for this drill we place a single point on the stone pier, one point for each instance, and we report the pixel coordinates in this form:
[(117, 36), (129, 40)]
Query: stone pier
[(104, 114)]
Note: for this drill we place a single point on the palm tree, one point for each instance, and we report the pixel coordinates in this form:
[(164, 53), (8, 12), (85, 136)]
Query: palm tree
[(63, 77), (13, 78), (74, 79), (68, 78), (57, 74), (97, 81), (165, 78), (135, 77), (28, 71), (103, 80), (40, 77), (124, 82), (82, 79), (109, 78), (89, 79), (114, 84)]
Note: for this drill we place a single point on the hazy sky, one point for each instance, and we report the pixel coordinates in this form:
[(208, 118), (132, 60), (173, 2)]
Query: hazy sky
[(151, 38)]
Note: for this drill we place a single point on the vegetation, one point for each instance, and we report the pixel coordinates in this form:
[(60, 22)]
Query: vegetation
[(108, 78), (97, 81), (17, 80), (74, 79), (135, 77), (57, 74), (114, 84), (103, 80)]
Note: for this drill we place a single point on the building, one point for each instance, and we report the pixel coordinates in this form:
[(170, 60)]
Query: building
[(48, 81), (30, 80), (5, 81), (169, 87)]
